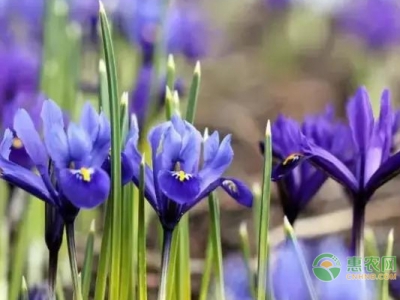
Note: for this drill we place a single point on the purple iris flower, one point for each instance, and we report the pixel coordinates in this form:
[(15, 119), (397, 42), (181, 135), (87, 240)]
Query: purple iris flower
[(39, 292), (372, 165), (300, 186), (141, 95), (176, 183), (68, 162), (184, 28), (356, 18), (287, 277), (278, 4)]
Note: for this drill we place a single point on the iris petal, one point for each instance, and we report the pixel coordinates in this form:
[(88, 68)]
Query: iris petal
[(84, 193), (135, 158), (190, 152), (170, 151), (89, 121), (238, 191), (181, 190), (211, 145), (102, 142), (361, 119), (388, 170), (30, 138), (218, 165), (79, 143), (126, 168)]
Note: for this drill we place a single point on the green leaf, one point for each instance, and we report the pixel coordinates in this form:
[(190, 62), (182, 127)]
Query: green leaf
[(245, 245), (205, 280), (263, 242), (384, 284), (290, 234), (88, 262), (116, 186), (142, 235), (193, 94), (215, 226)]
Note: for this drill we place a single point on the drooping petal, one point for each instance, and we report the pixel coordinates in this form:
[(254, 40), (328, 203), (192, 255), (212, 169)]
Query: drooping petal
[(179, 186), (30, 138), (133, 155), (388, 170), (84, 188), (238, 190), (18, 175), (328, 163), (361, 119), (218, 165), (126, 168)]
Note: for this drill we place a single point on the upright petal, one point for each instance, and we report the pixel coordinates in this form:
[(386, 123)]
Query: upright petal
[(90, 121), (79, 143), (214, 170), (179, 186), (171, 148), (84, 188), (30, 138), (190, 152), (102, 142), (211, 145), (361, 119)]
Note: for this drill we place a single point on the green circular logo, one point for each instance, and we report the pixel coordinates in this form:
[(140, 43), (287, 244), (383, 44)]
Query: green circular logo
[(326, 267)]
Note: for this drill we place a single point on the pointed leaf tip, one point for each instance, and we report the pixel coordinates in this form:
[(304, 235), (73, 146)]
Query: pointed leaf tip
[(93, 226), (125, 99), (171, 62), (102, 66), (243, 229), (268, 128), (391, 236), (287, 227), (143, 161), (256, 188), (168, 93), (197, 68), (101, 8), (176, 97)]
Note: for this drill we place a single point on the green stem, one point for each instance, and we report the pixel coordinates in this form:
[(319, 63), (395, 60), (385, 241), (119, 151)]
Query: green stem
[(166, 251), (72, 260)]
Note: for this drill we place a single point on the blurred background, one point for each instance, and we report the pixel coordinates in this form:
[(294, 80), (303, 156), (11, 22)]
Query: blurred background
[(258, 58)]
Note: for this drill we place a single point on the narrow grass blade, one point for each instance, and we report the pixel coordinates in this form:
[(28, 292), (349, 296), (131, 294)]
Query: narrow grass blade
[(127, 242), (88, 262), (142, 236), (245, 245), (70, 233), (169, 103), (290, 234), (4, 237), (103, 91), (193, 94), (262, 262), (384, 289), (183, 280), (208, 265), (59, 289), (19, 252), (171, 72), (135, 259), (112, 84), (125, 117), (256, 189), (173, 285), (24, 289), (213, 205), (371, 246)]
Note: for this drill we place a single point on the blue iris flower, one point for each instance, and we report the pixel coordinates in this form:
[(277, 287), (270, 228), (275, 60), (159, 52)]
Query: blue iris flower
[(177, 183), (68, 160)]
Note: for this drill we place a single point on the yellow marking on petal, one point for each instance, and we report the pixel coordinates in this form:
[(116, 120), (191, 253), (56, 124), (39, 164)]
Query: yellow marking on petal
[(291, 158), (86, 175), (181, 175), (17, 143), (230, 185)]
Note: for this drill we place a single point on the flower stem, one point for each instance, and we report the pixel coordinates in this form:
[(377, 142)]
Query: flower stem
[(357, 235), (72, 260), (53, 262), (166, 251)]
